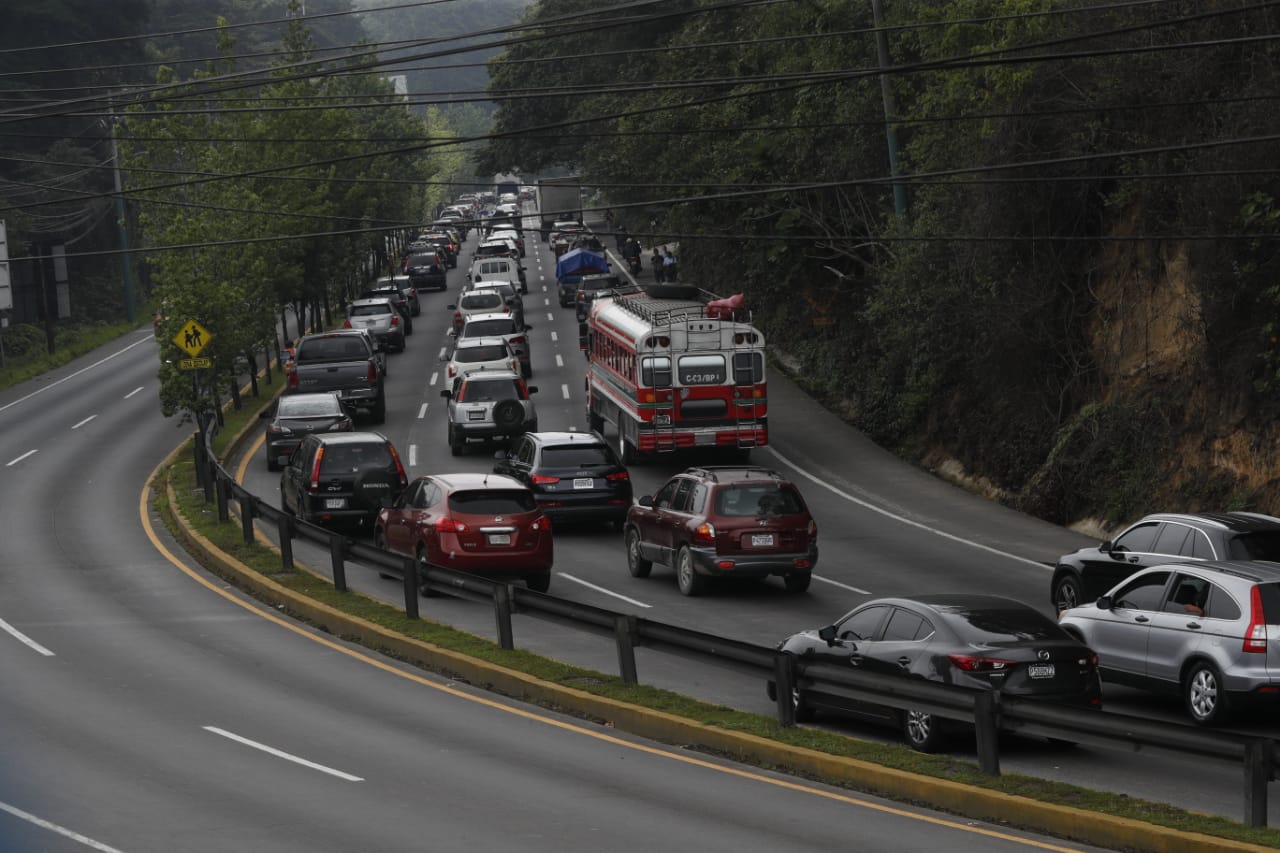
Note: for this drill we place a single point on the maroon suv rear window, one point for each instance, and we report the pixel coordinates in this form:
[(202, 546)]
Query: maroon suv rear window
[(761, 499), (492, 502)]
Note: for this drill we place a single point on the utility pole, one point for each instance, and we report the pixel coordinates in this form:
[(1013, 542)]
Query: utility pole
[(891, 136), (122, 226)]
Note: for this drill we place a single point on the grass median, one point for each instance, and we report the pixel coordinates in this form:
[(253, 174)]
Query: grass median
[(228, 537)]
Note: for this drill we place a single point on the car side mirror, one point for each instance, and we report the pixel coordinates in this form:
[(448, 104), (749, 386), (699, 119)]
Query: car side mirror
[(828, 634), (527, 327), (1104, 603), (446, 393), (647, 500), (1106, 545), (501, 456), (267, 413), (452, 307), (533, 389)]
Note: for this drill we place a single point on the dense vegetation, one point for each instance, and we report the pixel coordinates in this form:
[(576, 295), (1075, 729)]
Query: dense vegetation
[(1078, 301)]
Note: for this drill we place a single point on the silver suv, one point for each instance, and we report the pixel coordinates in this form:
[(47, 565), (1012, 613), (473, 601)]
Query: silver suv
[(379, 318), (489, 404), (1207, 630)]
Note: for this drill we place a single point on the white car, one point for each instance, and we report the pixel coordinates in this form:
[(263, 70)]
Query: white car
[(497, 269), (498, 247), (485, 300), (472, 354), (501, 325)]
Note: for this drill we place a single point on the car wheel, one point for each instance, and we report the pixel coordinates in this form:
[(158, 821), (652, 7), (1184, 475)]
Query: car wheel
[(922, 731), (1204, 694), (379, 411), (455, 444), (636, 563), (380, 542), (797, 582), (272, 464), (539, 582), (691, 583), (626, 450), (421, 556), (1067, 592)]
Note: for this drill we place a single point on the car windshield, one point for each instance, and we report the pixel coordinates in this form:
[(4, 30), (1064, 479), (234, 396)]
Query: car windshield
[(489, 390), (1260, 545), (761, 499), (492, 502), (481, 300), (576, 456), (986, 625), (304, 406), (349, 458), (488, 352), (486, 328)]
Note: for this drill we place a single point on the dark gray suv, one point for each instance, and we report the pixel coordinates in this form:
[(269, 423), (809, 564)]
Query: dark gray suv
[(1205, 630), (1082, 576)]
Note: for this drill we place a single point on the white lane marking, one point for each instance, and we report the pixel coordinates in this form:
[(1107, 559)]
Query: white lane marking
[(554, 336), (432, 381), (550, 317), (13, 462), (24, 639), (83, 422), (422, 411), (546, 301), (54, 384), (413, 455), (60, 830), (903, 519), (601, 589), (564, 389), (858, 590), (134, 391), (282, 754), (559, 360)]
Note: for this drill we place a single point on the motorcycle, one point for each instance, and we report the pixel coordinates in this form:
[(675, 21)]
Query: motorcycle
[(633, 264)]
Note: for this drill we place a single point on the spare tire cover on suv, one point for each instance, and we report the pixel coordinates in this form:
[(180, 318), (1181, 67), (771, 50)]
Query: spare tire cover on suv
[(373, 485), (508, 414)]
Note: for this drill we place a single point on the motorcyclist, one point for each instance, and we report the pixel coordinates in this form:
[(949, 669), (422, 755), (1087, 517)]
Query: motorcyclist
[(632, 251)]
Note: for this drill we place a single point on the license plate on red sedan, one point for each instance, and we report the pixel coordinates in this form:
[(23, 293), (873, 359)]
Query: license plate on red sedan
[(499, 538), (1040, 670), (761, 540)]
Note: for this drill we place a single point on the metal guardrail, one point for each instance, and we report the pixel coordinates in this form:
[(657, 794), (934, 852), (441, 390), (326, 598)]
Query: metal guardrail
[(990, 713)]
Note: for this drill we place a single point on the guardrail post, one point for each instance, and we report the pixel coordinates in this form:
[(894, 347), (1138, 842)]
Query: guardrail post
[(502, 614), (338, 558), (247, 511), (784, 680), (224, 497), (409, 568), (199, 459), (1257, 773), (210, 477), (624, 630), (986, 724), (284, 532)]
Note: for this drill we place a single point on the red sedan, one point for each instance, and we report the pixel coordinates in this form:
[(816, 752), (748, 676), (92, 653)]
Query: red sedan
[(485, 524)]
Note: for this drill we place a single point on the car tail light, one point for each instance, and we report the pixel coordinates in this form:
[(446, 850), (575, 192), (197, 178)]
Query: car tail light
[(813, 528), (1255, 636), (542, 523), (372, 374), (618, 475), (457, 317), (725, 564), (293, 379), (582, 295), (974, 663), (315, 469), (544, 480), (518, 340), (705, 532), (395, 321), (453, 371), (448, 525), (395, 456), (347, 324)]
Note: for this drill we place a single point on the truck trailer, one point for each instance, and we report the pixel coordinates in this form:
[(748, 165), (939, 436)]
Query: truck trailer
[(558, 199)]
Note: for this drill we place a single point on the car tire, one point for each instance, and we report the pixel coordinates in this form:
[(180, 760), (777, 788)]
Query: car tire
[(380, 542), (636, 563), (379, 410), (687, 578), (797, 582), (420, 555), (922, 731), (538, 583), (1067, 592), (508, 416), (1204, 694), (456, 445), (272, 464)]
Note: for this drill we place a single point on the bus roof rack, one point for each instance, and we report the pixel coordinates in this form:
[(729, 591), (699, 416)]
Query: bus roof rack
[(663, 304)]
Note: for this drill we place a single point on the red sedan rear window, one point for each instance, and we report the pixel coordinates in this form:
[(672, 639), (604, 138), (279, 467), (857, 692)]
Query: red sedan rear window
[(492, 502)]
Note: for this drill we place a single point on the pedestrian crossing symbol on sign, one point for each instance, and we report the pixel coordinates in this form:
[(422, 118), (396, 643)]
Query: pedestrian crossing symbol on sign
[(192, 338)]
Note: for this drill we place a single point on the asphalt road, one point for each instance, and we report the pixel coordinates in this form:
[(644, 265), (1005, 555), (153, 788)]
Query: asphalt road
[(147, 707), (885, 528)]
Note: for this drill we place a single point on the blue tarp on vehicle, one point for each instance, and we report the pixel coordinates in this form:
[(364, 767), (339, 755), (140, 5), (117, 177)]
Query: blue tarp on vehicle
[(579, 262)]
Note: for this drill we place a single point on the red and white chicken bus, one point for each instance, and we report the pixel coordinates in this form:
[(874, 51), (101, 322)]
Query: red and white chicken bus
[(670, 370)]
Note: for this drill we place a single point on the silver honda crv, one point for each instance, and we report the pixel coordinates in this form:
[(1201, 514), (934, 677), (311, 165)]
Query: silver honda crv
[(1209, 631)]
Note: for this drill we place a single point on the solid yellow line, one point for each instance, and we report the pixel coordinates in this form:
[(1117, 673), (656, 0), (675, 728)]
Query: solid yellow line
[(560, 724)]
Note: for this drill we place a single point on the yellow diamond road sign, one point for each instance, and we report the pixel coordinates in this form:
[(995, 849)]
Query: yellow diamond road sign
[(192, 338)]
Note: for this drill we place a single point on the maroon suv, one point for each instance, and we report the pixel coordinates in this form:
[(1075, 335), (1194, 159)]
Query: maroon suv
[(734, 522)]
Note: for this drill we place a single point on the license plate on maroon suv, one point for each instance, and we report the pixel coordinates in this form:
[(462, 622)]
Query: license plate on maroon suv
[(761, 540)]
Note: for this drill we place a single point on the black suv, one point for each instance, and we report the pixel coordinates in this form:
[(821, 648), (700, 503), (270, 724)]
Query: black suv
[(1084, 575), (588, 289), (426, 269), (337, 478), (575, 476)]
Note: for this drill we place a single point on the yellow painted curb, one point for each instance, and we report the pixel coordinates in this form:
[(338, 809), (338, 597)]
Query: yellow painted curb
[(978, 803)]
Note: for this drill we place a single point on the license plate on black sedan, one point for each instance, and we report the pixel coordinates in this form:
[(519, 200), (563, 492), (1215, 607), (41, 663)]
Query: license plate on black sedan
[(1040, 670)]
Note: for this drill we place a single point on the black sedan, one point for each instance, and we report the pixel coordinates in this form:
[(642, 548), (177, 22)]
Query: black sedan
[(296, 415), (575, 476), (982, 642)]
